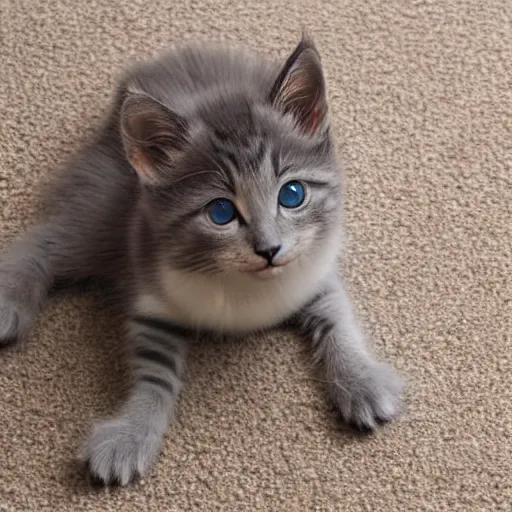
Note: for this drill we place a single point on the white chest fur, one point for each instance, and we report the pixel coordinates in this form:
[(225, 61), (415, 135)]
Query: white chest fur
[(239, 302)]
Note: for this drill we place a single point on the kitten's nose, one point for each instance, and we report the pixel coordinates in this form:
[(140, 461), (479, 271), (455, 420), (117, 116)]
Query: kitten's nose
[(268, 253)]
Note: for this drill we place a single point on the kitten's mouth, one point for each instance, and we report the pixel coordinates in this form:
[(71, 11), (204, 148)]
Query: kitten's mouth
[(267, 272)]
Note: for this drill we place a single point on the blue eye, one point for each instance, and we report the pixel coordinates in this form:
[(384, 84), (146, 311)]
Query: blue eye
[(221, 211), (292, 194)]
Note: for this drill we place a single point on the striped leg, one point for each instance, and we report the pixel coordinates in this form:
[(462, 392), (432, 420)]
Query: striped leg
[(364, 392), (121, 449)]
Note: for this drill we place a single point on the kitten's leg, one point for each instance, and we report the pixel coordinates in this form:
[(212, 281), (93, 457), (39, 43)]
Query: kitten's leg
[(124, 448), (365, 392), (83, 235), (25, 278)]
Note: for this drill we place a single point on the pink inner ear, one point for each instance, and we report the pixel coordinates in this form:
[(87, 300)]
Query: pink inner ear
[(141, 164), (315, 121)]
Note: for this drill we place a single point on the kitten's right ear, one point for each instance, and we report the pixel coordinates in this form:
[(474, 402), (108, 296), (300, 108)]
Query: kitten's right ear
[(153, 137), (300, 88)]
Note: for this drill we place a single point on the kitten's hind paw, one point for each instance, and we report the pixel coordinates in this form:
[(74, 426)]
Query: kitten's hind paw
[(15, 321)]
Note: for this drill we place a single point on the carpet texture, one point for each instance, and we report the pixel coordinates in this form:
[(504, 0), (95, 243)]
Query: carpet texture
[(421, 100)]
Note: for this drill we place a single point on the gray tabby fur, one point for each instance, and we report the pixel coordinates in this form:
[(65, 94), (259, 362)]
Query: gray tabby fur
[(190, 126)]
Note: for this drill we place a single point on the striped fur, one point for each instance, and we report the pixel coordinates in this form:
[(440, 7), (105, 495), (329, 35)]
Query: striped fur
[(130, 442), (364, 392)]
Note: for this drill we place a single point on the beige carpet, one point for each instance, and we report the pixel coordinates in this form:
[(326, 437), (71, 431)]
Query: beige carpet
[(421, 96)]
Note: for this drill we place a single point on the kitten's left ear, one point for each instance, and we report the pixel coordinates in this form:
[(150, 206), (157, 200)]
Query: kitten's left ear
[(300, 88), (153, 137)]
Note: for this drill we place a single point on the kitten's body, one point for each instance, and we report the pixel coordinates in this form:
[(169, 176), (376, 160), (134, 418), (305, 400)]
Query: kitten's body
[(197, 125), (237, 304)]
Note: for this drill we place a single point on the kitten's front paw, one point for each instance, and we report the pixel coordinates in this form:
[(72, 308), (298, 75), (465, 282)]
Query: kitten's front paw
[(119, 451), (369, 398), (15, 320)]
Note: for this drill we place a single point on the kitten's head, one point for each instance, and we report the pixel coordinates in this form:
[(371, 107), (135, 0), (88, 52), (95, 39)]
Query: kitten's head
[(245, 183)]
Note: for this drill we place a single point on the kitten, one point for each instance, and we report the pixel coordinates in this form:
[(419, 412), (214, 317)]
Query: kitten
[(211, 197)]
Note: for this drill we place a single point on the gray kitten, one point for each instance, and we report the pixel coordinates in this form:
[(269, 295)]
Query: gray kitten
[(211, 197)]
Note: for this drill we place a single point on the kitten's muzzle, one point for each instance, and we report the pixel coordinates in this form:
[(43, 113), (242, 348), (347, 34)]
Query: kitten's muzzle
[(275, 261), (268, 272)]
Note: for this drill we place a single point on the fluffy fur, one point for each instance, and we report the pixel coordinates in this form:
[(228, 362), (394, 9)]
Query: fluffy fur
[(192, 126)]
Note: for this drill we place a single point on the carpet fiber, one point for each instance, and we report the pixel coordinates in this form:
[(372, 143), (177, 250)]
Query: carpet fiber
[(421, 100)]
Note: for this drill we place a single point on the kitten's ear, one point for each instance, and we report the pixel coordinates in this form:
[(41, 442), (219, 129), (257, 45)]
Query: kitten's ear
[(153, 137), (300, 88)]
